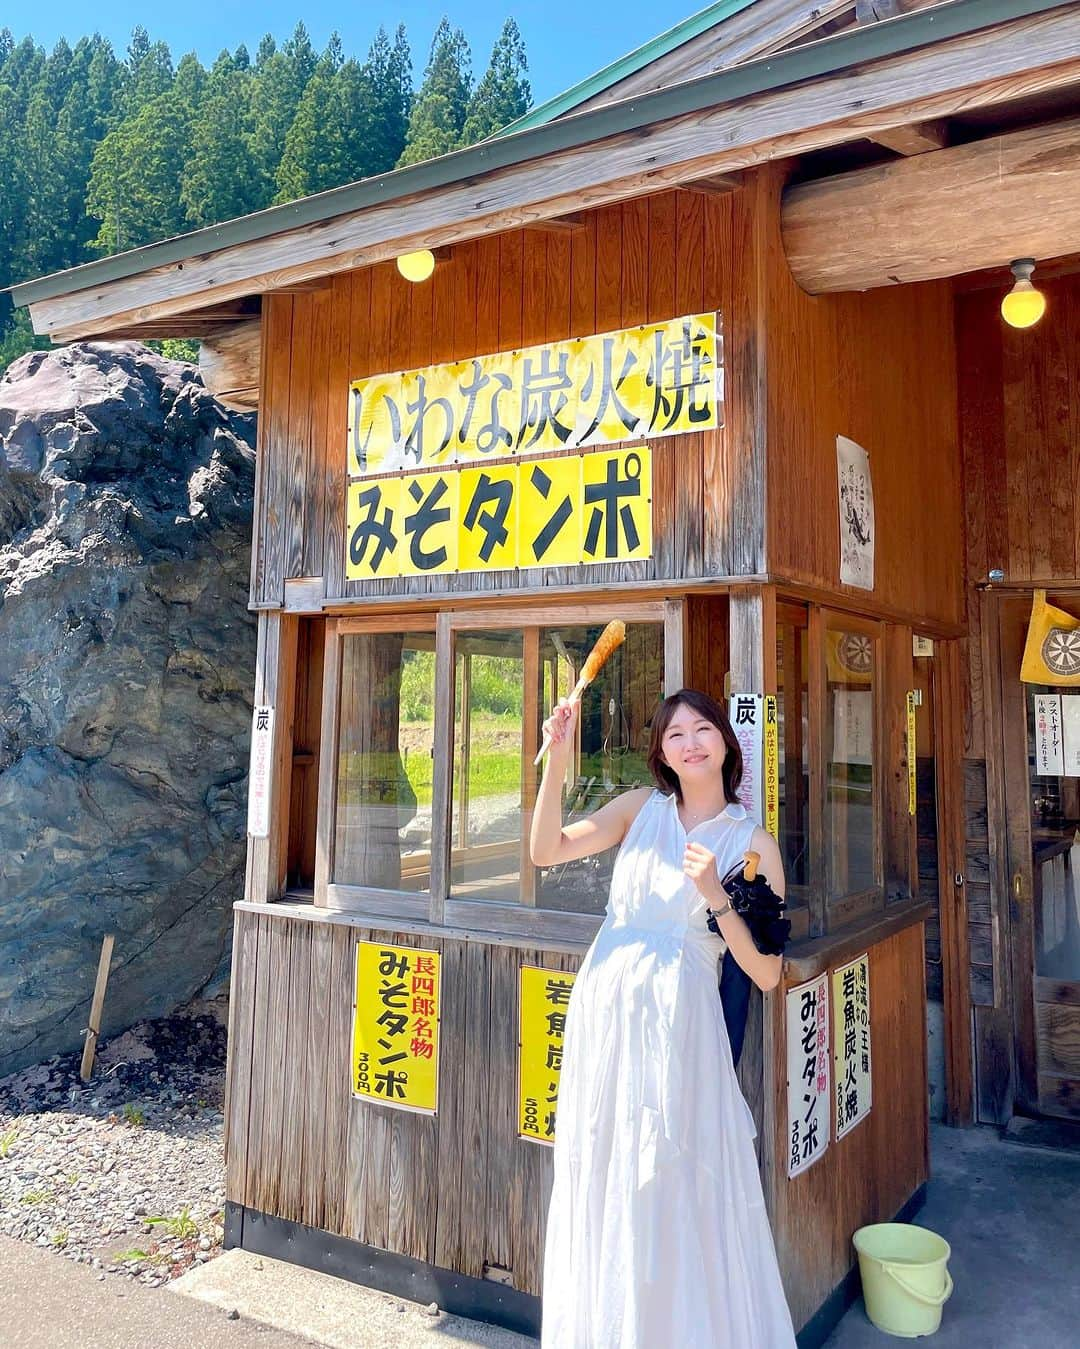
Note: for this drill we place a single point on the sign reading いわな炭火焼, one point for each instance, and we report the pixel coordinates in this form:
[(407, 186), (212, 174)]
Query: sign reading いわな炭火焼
[(543, 999), (658, 379), (395, 1045)]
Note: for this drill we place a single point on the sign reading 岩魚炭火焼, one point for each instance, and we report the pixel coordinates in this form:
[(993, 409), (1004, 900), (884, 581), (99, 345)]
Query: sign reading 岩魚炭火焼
[(659, 379)]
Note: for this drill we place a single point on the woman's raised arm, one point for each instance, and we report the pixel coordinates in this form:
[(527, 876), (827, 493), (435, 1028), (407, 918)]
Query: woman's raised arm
[(550, 842)]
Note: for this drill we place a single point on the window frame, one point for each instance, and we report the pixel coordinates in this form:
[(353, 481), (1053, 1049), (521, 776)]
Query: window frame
[(437, 907)]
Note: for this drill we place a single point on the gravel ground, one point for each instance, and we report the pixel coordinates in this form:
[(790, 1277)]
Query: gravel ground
[(126, 1173)]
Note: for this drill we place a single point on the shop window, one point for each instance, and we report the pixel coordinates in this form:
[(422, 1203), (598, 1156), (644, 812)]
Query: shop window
[(383, 812), (506, 682), (851, 808)]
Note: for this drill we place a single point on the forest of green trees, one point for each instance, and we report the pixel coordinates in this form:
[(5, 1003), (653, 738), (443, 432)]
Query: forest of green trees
[(101, 153)]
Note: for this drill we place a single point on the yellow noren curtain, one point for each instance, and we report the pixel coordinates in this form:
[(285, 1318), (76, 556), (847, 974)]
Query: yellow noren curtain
[(1052, 650)]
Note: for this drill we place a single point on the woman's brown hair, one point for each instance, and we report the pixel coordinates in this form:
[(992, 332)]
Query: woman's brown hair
[(666, 778)]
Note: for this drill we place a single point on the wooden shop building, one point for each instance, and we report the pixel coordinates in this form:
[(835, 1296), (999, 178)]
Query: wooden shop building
[(711, 344)]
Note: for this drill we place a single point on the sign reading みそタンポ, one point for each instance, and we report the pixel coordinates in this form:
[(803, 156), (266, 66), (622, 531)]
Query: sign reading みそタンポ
[(395, 1042), (568, 510), (659, 379)]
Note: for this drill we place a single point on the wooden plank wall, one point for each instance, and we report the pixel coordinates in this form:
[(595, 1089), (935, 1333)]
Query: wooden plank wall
[(878, 367), (650, 259), (459, 1190), (1019, 419), (878, 1166)]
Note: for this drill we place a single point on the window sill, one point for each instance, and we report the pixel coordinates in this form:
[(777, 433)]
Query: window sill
[(806, 959)]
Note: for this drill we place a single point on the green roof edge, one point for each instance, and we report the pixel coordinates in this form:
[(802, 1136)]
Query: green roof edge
[(626, 65)]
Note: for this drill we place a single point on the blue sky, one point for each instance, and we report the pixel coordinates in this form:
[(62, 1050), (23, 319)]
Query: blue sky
[(564, 43)]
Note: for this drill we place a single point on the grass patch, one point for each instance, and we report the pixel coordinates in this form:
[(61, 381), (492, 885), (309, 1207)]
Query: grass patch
[(36, 1197), (8, 1139), (133, 1115), (181, 1224)]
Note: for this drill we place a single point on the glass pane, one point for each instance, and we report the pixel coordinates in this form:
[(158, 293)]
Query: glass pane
[(792, 708), (1055, 841), (382, 826), (849, 743), (610, 758), (488, 755)]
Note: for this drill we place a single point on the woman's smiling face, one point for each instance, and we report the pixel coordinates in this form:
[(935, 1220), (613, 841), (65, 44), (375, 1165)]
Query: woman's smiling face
[(692, 746)]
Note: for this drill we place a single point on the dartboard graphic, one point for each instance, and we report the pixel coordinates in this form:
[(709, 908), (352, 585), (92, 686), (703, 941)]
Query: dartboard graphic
[(855, 652), (1061, 650)]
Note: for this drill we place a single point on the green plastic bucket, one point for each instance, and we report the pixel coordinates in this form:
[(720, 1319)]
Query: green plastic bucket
[(904, 1277)]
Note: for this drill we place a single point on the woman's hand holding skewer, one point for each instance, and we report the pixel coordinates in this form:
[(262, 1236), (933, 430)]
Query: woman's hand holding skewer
[(559, 729)]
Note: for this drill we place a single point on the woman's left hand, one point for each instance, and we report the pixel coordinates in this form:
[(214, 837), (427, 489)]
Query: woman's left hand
[(700, 865)]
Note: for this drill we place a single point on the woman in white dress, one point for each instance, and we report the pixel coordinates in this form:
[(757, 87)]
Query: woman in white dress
[(657, 1234)]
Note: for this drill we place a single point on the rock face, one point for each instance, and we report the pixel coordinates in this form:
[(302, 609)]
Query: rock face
[(126, 668)]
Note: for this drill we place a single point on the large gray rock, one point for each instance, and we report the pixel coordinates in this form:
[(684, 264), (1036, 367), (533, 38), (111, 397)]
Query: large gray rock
[(126, 659)]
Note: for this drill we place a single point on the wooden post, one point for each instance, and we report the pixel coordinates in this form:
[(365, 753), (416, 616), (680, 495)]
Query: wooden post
[(93, 1029), (275, 686)]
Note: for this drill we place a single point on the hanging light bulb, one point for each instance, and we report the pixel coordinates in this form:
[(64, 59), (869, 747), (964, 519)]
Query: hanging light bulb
[(1024, 306), (416, 266)]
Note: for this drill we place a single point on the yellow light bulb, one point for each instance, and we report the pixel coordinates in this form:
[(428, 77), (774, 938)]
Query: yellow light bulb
[(1024, 306), (416, 266)]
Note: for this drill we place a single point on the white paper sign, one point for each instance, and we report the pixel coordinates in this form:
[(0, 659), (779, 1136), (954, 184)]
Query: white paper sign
[(851, 1034), (1049, 740), (809, 1097), (262, 743), (857, 528), (853, 726), (1070, 723), (747, 714)]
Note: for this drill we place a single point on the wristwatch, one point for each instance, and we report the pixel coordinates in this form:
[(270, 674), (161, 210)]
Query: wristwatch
[(721, 913)]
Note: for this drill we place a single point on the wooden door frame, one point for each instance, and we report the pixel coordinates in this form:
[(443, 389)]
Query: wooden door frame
[(1018, 868)]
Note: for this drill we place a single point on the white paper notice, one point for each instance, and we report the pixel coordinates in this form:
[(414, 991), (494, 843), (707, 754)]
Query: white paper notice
[(1070, 723), (851, 1033), (262, 744), (809, 1095), (747, 714), (1049, 744), (857, 528)]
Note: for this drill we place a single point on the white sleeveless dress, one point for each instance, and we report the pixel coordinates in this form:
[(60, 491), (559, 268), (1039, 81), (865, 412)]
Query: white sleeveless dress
[(657, 1234)]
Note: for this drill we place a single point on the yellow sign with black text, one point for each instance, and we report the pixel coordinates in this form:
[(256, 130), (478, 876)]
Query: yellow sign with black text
[(396, 1008), (543, 999), (659, 379), (565, 511), (912, 751), (770, 768)]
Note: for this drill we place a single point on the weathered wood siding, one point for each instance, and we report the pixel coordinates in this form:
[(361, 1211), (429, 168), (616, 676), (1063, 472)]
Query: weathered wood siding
[(657, 258), (878, 368), (878, 1166), (459, 1190)]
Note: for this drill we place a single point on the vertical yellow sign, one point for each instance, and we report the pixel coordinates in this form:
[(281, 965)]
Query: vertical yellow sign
[(544, 996), (771, 768), (396, 1009), (912, 749)]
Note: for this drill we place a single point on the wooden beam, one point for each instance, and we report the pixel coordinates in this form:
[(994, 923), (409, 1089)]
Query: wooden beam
[(940, 214), (229, 362), (993, 65), (916, 138), (560, 224), (718, 185)]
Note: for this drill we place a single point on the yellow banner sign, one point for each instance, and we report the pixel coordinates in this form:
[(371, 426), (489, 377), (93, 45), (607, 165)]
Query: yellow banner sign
[(912, 762), (660, 379), (395, 1049), (548, 513), (544, 997), (770, 768), (851, 1044)]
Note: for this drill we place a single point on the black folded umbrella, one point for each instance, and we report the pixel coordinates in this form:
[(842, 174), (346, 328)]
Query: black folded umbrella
[(762, 909)]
